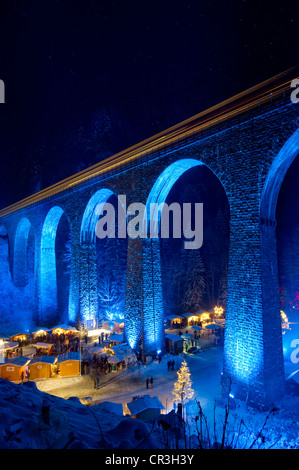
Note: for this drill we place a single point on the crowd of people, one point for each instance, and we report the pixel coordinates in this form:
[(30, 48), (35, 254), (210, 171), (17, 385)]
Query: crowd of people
[(61, 343)]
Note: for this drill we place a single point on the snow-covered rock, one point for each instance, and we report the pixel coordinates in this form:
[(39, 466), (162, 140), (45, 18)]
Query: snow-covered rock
[(33, 419)]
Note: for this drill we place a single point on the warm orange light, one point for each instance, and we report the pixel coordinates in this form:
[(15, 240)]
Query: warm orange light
[(218, 310), (204, 317)]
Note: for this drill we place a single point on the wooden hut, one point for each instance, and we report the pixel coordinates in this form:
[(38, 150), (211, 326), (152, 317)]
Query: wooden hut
[(7, 348), (41, 367), (145, 408), (69, 364), (41, 334), (115, 362), (43, 348), (174, 321), (116, 339), (174, 344), (64, 329), (21, 338), (12, 369)]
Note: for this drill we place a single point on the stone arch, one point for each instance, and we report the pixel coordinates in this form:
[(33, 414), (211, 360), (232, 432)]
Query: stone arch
[(147, 329), (48, 279), (91, 215), (274, 366), (275, 177), (20, 255), (88, 264), (4, 235)]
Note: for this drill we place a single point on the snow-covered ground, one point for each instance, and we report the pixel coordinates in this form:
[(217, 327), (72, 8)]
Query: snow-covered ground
[(282, 427), (74, 424)]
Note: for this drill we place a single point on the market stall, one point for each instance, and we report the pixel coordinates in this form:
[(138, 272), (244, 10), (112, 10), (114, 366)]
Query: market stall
[(43, 348), (69, 364), (40, 334), (116, 339), (64, 329), (174, 321), (21, 338), (41, 367), (8, 348), (174, 344), (14, 369), (115, 362)]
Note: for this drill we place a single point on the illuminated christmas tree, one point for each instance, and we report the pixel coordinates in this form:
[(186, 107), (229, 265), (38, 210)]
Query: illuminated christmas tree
[(183, 391)]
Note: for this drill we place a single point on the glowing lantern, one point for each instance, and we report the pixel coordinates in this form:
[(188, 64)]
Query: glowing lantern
[(218, 311)]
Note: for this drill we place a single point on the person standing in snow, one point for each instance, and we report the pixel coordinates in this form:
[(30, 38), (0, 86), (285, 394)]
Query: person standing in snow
[(147, 382), (151, 381)]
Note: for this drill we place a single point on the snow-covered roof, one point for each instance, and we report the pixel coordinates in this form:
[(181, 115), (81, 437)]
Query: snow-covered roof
[(195, 327), (44, 359), (96, 350), (18, 361), (173, 317), (40, 329), (111, 407), (69, 356), (42, 345), (8, 345), (144, 403), (11, 335), (117, 337), (115, 359), (188, 314), (212, 326), (174, 338), (64, 327)]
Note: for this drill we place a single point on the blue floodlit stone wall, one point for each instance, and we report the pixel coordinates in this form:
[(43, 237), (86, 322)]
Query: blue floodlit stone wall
[(242, 153)]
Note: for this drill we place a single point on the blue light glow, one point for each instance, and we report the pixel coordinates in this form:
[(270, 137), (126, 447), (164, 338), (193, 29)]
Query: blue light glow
[(153, 312), (48, 280), (88, 296), (165, 182), (91, 215), (276, 175), (20, 267)]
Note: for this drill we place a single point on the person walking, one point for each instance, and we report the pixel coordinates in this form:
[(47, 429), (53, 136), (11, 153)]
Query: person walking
[(147, 382), (151, 382)]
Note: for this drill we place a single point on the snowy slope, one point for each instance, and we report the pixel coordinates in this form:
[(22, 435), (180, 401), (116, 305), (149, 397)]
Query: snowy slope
[(24, 422)]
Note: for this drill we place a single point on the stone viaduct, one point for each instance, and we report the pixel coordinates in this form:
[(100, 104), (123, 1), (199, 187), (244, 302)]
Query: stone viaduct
[(248, 142)]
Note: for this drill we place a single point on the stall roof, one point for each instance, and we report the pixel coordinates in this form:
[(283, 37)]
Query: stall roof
[(117, 337), (173, 317), (193, 314), (45, 359), (70, 356), (11, 335), (195, 327), (64, 327), (115, 359), (42, 345), (8, 345), (174, 338), (144, 403), (18, 361), (40, 329)]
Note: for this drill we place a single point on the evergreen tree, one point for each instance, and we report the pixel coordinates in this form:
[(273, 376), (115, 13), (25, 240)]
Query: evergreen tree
[(195, 283), (183, 391)]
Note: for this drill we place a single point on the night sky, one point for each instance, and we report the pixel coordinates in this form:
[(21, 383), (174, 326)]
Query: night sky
[(85, 79)]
